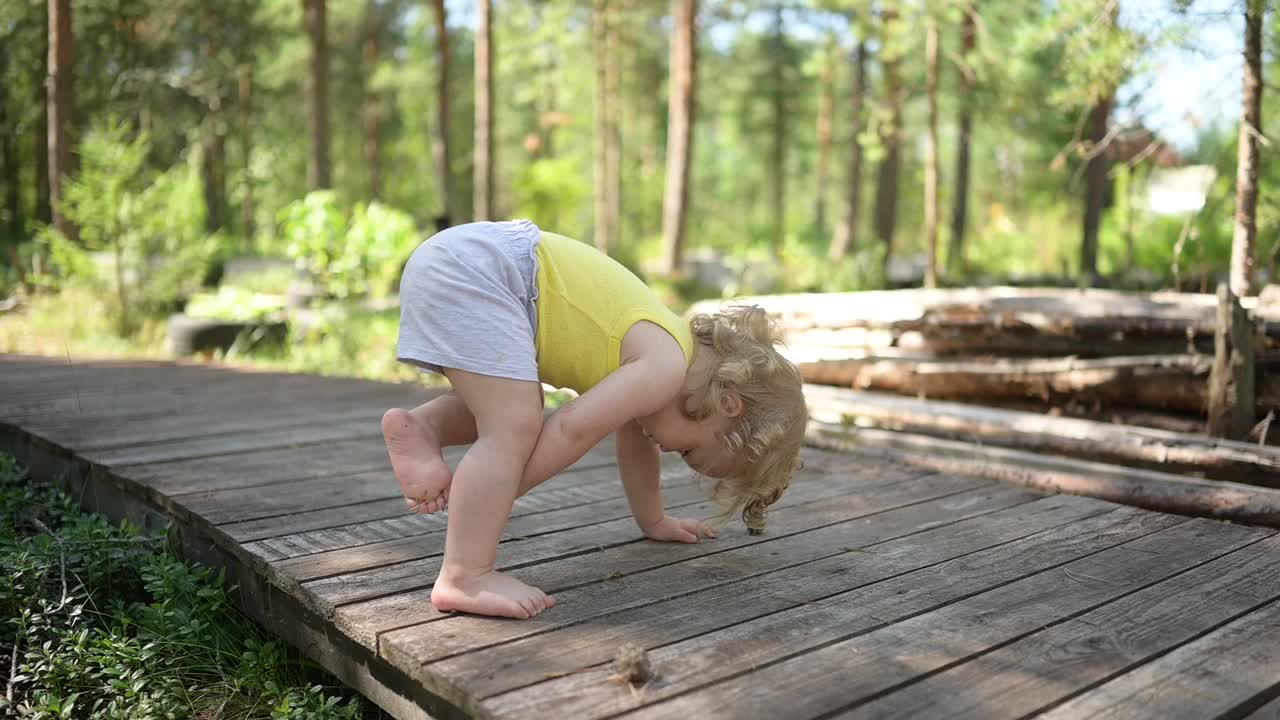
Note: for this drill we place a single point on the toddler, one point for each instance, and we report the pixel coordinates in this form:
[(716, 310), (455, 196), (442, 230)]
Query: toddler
[(499, 308)]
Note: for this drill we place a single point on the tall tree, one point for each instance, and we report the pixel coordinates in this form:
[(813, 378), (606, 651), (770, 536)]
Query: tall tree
[(1246, 228), (441, 142), (931, 153), (680, 112), (245, 106), (1096, 182), (613, 136), (1097, 171), (847, 232), (601, 130), (40, 139), (61, 94), (778, 146), (483, 183), (372, 110), (964, 135), (826, 111), (10, 170), (213, 155), (319, 169), (891, 133)]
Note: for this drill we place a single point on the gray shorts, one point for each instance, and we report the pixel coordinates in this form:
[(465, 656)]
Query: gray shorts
[(468, 301)]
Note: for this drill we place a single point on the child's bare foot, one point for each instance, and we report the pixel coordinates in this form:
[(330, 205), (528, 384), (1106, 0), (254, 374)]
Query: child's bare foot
[(419, 464), (490, 594)]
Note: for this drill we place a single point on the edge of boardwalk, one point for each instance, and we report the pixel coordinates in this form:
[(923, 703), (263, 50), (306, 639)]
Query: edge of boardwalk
[(116, 496)]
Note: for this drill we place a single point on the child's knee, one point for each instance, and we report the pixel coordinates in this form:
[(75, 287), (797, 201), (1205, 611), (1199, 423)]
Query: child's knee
[(521, 427)]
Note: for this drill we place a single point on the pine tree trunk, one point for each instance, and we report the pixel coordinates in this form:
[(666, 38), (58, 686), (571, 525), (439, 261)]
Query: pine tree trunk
[(1096, 182), (848, 230), (964, 124), (680, 112), (372, 102), (247, 208), (319, 169), (891, 136), (1246, 229), (613, 135), (1097, 173), (441, 143), (40, 139), (931, 155), (61, 94), (826, 109), (600, 123), (483, 183), (10, 172), (778, 153), (213, 156), (213, 173)]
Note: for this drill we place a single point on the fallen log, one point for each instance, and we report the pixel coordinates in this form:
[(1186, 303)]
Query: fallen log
[(1011, 320), (1176, 383), (1135, 446), (1163, 492)]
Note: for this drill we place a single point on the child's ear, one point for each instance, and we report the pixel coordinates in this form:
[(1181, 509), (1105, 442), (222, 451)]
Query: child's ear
[(731, 404)]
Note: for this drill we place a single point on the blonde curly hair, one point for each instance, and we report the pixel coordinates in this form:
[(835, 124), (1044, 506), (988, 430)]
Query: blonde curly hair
[(769, 431)]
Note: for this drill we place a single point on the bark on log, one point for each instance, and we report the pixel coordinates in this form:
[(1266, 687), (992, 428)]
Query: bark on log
[(1164, 382), (969, 318), (1148, 489), (1077, 438)]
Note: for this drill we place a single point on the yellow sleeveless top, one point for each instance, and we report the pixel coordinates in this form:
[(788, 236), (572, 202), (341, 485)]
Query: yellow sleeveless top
[(587, 301)]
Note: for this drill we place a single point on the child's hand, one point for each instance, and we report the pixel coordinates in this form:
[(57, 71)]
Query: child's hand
[(670, 529)]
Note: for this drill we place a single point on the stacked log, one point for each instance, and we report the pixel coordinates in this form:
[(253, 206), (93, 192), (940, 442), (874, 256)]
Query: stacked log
[(1105, 350)]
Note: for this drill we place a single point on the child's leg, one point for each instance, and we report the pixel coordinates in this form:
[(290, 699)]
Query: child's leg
[(414, 442), (508, 417)]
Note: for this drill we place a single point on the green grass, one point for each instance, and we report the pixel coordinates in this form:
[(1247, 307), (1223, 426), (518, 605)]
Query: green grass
[(102, 621)]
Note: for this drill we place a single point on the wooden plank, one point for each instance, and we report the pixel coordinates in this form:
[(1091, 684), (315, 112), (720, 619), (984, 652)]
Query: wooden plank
[(109, 392), (969, 554), (224, 506), (260, 467), (204, 420), (598, 513), (879, 602), (329, 518), (355, 519), (643, 579), (192, 416), (771, 665), (802, 511), (1035, 431), (1164, 492), (1025, 677), (1214, 676), (188, 449)]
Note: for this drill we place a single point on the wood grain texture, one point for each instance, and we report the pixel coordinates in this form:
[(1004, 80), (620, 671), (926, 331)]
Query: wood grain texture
[(1213, 676), (881, 589)]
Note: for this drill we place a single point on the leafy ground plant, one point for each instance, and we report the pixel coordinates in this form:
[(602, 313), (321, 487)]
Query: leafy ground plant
[(102, 621)]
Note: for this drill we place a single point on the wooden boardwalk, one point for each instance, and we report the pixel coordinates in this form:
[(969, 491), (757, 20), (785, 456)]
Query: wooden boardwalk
[(879, 591)]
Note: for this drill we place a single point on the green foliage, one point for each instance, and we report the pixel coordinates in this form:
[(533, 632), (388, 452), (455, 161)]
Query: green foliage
[(237, 304), (550, 192), (106, 624), (140, 236), (353, 253), (344, 341)]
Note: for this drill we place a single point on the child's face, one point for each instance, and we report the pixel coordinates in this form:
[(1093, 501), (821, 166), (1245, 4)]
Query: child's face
[(699, 442)]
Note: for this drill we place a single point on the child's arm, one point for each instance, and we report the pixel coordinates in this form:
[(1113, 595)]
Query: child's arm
[(640, 466), (641, 470), (634, 390)]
